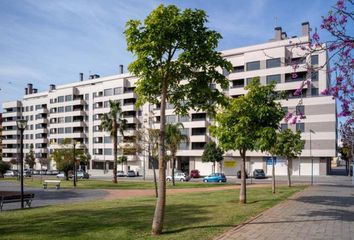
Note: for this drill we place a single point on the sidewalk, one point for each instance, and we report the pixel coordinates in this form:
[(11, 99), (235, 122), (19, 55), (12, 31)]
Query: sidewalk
[(320, 212)]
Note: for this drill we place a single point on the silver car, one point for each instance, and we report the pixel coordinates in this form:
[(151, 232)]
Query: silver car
[(179, 176)]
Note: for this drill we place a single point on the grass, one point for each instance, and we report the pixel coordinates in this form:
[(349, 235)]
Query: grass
[(102, 184), (189, 216)]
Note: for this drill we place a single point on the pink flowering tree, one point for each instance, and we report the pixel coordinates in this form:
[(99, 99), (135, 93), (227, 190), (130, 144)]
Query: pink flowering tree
[(339, 24)]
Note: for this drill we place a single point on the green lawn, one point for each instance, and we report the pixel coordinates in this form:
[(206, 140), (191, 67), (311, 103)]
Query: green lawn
[(101, 184), (189, 216)]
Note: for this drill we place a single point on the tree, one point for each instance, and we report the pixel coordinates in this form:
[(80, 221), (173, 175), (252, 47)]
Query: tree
[(174, 137), (122, 160), (249, 123), (114, 122), (30, 158), (176, 61), (4, 166), (346, 154), (289, 145), (212, 153)]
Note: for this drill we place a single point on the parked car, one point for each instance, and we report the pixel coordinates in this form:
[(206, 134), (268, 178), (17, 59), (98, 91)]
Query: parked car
[(239, 174), (179, 176), (259, 173), (61, 175), (120, 173), (195, 174), (131, 173), (215, 177), (11, 173), (27, 173), (80, 174)]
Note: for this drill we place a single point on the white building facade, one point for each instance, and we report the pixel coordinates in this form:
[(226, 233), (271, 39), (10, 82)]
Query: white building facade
[(74, 111)]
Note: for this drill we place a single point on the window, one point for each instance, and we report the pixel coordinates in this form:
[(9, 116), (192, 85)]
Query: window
[(300, 127), (198, 117), (68, 108), (250, 66), (68, 119), (198, 131), (273, 78), (170, 118), (248, 80), (38, 107), (314, 91), (184, 118), (118, 90), (285, 110), (198, 145), (61, 99), (314, 76), (238, 69), (108, 151), (60, 130), (108, 92), (68, 130), (107, 140), (60, 120), (60, 109), (97, 165), (314, 59), (169, 106), (185, 131), (283, 126), (238, 83), (106, 104), (184, 146), (272, 63), (87, 96), (68, 98), (300, 110)]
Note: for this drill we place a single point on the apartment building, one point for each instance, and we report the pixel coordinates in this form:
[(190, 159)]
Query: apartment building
[(74, 111)]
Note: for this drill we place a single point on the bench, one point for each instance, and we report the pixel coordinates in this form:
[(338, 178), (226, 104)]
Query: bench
[(56, 182), (15, 197)]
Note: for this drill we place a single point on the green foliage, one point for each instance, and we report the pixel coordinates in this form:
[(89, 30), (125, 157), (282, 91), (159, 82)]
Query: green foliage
[(345, 152), (30, 159), (4, 166), (170, 47), (64, 156), (212, 153), (122, 159), (289, 144), (113, 120), (249, 122), (174, 137)]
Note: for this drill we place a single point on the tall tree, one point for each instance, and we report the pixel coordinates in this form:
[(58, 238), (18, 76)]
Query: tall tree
[(249, 123), (174, 137), (30, 158), (289, 145), (176, 61), (212, 153), (113, 122)]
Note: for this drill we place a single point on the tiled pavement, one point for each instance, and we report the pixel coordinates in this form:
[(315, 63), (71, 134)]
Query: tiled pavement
[(319, 212)]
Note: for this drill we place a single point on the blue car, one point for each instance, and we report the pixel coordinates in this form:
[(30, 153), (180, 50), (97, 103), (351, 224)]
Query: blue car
[(215, 177)]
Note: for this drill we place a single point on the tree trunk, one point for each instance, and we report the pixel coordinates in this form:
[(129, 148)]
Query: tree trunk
[(157, 223), (273, 175), (173, 170), (115, 151), (214, 167), (289, 176), (243, 194), (155, 180)]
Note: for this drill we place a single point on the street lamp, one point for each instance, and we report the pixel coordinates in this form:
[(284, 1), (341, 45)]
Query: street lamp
[(21, 125), (311, 131), (74, 157)]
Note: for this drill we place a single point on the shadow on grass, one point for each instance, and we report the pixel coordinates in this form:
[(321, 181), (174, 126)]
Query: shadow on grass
[(56, 223)]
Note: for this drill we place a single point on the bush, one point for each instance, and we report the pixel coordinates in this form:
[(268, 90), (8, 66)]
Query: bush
[(4, 166)]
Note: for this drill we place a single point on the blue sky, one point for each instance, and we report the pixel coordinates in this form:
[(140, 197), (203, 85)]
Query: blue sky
[(50, 41)]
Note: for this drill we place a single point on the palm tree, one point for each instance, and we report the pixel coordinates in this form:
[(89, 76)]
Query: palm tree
[(114, 122), (174, 137)]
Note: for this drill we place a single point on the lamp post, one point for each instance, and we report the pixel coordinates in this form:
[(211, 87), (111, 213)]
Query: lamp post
[(311, 131), (21, 125)]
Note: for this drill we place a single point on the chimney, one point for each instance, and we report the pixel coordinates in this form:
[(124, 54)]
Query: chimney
[(278, 32), (30, 88), (305, 28), (35, 90), (51, 87), (121, 69), (91, 77), (284, 35), (81, 77), (26, 91)]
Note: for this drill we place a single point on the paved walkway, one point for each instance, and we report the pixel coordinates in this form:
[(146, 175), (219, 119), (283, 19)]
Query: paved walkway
[(320, 212)]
